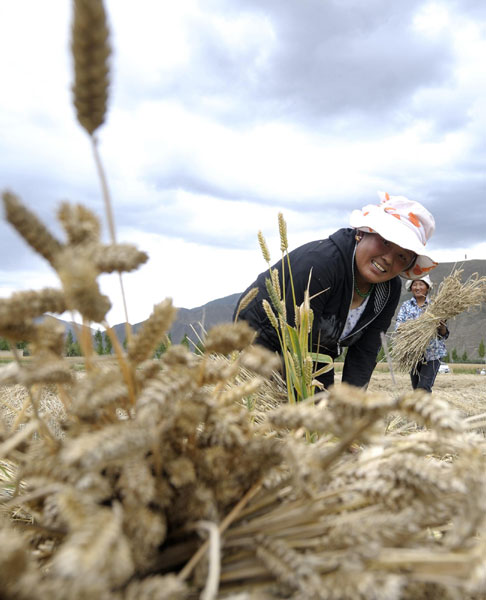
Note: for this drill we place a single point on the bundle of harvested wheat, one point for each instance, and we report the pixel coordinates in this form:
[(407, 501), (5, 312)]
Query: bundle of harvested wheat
[(394, 521), (453, 297), (142, 451), (111, 507), (111, 499)]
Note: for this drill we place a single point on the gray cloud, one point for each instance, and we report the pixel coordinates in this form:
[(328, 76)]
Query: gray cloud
[(323, 60), (16, 254), (474, 8)]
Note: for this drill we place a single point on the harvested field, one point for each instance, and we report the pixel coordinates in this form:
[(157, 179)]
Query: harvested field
[(354, 512), (463, 391)]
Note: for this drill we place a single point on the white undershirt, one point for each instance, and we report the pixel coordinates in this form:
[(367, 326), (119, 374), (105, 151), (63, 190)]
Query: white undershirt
[(353, 317)]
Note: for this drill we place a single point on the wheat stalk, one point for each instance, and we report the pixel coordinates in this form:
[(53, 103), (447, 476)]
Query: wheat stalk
[(91, 51)]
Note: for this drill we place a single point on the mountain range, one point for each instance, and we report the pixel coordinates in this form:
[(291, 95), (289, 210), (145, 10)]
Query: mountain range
[(469, 328), (194, 322), (466, 330)]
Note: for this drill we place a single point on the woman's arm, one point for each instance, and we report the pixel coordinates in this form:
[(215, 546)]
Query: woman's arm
[(402, 315)]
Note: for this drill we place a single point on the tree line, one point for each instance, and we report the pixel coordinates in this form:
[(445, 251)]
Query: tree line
[(102, 345), (453, 355)]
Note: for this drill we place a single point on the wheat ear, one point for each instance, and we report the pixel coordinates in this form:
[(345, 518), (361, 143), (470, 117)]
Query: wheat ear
[(30, 228), (282, 229), (91, 50), (252, 294), (30, 304), (264, 247), (143, 344)]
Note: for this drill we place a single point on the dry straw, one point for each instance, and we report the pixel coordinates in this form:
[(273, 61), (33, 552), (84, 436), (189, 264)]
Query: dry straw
[(453, 297)]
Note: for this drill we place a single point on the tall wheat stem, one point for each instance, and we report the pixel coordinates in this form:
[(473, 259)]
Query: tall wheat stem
[(127, 373), (43, 426), (86, 344), (111, 222)]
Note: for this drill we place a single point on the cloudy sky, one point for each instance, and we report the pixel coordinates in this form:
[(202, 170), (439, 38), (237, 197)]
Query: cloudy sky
[(223, 113)]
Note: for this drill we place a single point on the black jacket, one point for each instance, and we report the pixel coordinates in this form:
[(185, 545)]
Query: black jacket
[(332, 264)]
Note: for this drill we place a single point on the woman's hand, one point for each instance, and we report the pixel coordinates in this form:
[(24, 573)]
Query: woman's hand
[(442, 328)]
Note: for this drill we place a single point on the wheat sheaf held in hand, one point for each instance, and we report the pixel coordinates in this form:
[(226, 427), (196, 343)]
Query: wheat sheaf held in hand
[(184, 478), (453, 297)]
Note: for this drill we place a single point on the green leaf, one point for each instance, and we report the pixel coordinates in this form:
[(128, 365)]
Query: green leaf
[(323, 370), (321, 358), (295, 343)]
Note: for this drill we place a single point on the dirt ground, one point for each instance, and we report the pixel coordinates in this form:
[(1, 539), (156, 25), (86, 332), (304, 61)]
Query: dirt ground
[(464, 392)]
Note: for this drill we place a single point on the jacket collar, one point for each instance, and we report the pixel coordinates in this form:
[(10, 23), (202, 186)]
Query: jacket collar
[(346, 243), (414, 302)]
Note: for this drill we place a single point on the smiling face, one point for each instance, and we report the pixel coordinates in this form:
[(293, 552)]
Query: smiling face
[(379, 260), (419, 289)]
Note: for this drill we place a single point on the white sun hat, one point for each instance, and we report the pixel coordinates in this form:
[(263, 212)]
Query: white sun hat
[(426, 279), (402, 221)]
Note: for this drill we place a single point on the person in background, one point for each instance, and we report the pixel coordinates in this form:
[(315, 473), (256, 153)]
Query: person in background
[(423, 376), (354, 283)]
